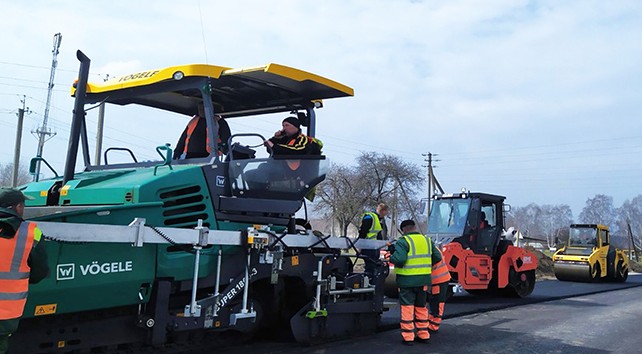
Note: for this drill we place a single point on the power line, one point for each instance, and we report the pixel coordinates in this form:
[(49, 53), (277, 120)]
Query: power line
[(26, 80), (41, 67)]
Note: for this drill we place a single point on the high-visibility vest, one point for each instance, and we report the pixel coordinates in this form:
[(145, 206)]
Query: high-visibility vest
[(375, 228), (14, 270), (419, 256), (440, 273), (191, 126)]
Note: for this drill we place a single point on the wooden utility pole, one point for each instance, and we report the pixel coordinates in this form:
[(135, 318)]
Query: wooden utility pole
[(632, 242), (16, 154), (392, 232), (433, 184)]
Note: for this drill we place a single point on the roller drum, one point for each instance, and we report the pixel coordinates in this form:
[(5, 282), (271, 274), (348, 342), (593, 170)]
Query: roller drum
[(572, 271)]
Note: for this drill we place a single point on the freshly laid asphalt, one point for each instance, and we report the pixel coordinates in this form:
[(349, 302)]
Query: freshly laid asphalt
[(476, 324), (545, 290)]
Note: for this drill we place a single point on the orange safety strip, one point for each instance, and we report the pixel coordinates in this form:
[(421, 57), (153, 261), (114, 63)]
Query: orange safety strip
[(190, 130), (421, 322)]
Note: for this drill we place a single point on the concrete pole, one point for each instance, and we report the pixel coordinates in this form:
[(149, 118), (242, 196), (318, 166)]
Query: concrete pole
[(430, 185), (16, 156)]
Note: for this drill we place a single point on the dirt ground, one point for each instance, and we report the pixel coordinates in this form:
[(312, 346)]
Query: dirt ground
[(544, 264), (635, 266)]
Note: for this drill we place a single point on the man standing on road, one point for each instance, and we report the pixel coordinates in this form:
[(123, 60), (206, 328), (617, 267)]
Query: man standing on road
[(373, 227), (440, 278), (413, 256), (23, 260)]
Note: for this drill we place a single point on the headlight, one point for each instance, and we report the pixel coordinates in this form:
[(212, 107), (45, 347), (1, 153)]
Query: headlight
[(178, 75)]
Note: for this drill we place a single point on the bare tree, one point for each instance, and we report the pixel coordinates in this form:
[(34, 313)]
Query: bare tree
[(6, 174), (347, 192), (545, 222), (526, 220), (631, 213), (342, 195), (386, 174), (599, 210), (555, 219)]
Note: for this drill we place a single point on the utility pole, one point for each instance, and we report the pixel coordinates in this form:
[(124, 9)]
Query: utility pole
[(44, 133), (432, 181), (16, 154), (632, 242), (392, 235)]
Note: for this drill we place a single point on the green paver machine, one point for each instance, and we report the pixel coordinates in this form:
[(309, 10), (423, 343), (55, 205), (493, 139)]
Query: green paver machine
[(150, 253)]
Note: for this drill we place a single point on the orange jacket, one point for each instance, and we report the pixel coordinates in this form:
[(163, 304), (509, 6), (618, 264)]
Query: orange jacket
[(14, 270), (440, 273)]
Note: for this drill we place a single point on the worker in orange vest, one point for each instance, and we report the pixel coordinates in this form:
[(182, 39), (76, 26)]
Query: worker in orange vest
[(438, 294), (23, 260), (194, 142)]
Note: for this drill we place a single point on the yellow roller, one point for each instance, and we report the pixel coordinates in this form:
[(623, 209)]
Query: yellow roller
[(589, 256)]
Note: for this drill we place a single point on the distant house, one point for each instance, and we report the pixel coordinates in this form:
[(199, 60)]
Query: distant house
[(520, 240)]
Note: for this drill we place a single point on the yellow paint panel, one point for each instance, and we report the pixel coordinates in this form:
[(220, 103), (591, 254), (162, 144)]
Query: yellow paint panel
[(43, 193), (48, 309), (153, 76), (293, 74), (64, 189)]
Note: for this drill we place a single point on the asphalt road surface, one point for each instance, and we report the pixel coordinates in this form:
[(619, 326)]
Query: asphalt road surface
[(559, 317)]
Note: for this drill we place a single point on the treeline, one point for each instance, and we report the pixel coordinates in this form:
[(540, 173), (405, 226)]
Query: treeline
[(6, 174), (349, 191), (551, 222)]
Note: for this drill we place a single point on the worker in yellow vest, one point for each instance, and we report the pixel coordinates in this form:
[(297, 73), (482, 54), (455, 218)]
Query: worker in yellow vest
[(373, 227), (23, 260), (413, 256), (438, 294)]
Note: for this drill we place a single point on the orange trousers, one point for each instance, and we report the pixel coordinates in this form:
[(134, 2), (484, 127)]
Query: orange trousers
[(414, 314), (436, 304)]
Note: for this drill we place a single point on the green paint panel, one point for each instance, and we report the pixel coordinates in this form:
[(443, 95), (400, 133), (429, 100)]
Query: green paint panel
[(94, 276)]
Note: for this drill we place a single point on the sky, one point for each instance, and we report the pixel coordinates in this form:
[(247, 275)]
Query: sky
[(539, 101)]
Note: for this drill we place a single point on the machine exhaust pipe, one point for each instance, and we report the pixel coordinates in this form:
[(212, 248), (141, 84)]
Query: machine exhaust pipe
[(78, 117)]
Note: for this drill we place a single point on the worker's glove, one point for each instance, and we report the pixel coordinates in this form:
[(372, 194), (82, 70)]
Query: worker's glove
[(391, 248)]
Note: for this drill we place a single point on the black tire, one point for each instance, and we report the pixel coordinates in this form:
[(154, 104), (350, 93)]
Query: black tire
[(622, 273), (596, 273), (523, 287)]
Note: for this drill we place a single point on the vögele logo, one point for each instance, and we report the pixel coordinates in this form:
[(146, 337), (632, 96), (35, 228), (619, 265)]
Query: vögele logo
[(68, 271), (65, 271)]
